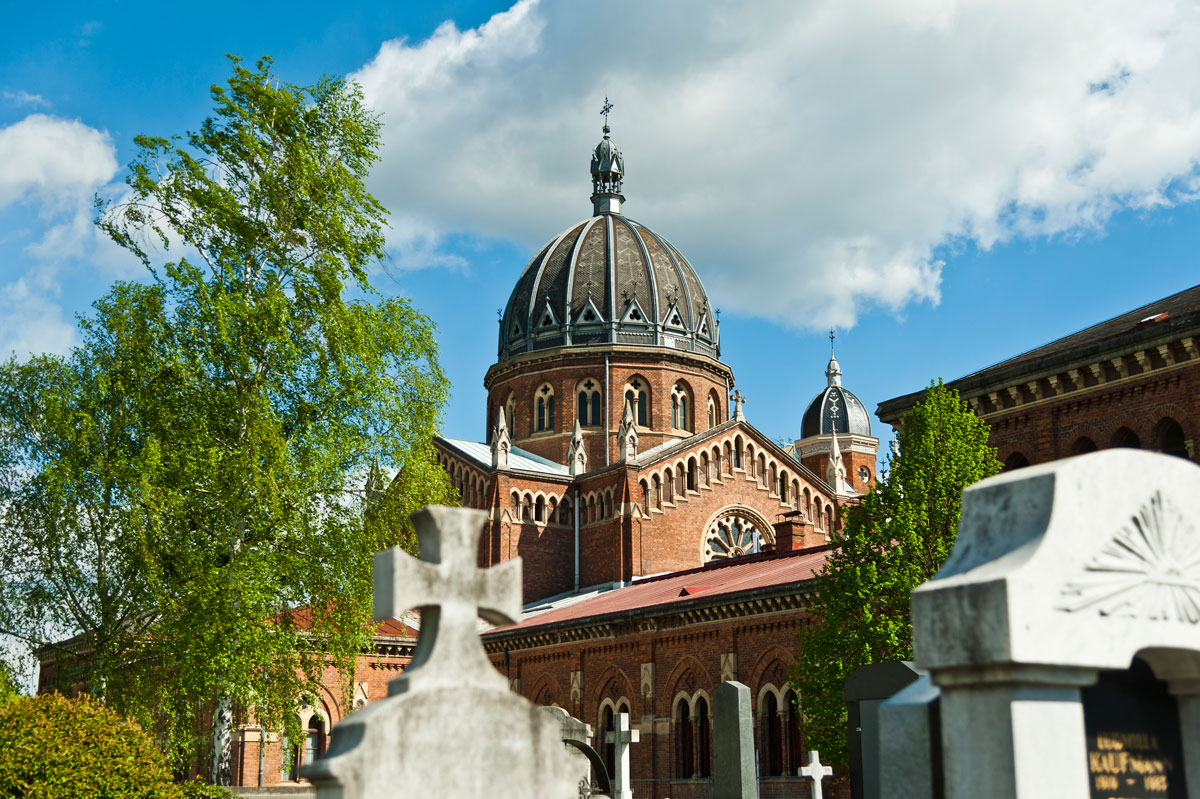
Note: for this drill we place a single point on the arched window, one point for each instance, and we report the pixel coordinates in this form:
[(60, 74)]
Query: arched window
[(1172, 440), (704, 734), (539, 510), (1015, 461), (772, 736), (588, 408), (691, 474), (1082, 446), (681, 407), (685, 750), (783, 487), (608, 723), (564, 511), (712, 412), (526, 507), (737, 452), (669, 485), (314, 740), (727, 460), (705, 473), (637, 394), (657, 491), (1126, 438), (544, 412), (792, 733), (645, 493)]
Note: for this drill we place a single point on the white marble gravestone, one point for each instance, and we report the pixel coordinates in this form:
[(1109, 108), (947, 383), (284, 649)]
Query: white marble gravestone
[(621, 738), (1061, 572), (450, 727)]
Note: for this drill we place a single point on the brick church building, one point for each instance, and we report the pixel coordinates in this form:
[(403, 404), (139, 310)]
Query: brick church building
[(667, 544)]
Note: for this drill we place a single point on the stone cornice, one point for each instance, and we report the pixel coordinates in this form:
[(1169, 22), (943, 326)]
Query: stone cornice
[(566, 357), (1064, 376)]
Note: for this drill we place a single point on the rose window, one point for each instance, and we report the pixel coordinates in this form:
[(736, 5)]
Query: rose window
[(731, 536)]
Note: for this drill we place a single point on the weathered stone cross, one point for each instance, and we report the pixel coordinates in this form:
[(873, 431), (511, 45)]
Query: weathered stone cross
[(815, 771), (738, 398), (452, 594), (621, 738)]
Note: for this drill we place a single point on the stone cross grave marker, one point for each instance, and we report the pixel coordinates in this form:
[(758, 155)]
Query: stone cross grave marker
[(816, 771), (621, 738), (1063, 633), (449, 727), (734, 774)]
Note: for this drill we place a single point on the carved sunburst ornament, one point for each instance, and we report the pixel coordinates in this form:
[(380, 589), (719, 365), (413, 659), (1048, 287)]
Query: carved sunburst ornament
[(1149, 570)]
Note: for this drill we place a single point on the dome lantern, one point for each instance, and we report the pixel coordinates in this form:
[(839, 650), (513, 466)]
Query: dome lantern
[(836, 409), (608, 169)]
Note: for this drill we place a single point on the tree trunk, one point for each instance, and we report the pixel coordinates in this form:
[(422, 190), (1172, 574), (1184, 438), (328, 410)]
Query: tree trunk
[(222, 736)]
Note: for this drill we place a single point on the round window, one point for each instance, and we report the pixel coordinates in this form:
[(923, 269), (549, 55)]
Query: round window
[(864, 474)]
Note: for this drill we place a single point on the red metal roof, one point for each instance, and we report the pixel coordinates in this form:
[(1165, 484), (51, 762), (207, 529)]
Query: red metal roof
[(721, 578)]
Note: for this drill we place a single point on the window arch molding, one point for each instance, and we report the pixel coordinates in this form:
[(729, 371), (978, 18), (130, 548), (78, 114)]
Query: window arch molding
[(637, 394), (543, 409), (682, 410), (728, 533)]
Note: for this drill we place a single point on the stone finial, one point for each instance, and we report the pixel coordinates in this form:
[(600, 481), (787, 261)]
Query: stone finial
[(835, 472), (450, 693), (576, 454), (738, 399), (627, 436), (501, 443)]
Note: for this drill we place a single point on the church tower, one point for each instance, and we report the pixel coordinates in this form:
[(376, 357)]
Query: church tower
[(837, 428)]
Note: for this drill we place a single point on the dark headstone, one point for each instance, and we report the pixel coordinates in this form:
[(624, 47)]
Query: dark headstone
[(865, 689), (1134, 747)]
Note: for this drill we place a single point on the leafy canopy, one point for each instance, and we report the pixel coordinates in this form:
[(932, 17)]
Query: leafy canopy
[(895, 540), (193, 473)]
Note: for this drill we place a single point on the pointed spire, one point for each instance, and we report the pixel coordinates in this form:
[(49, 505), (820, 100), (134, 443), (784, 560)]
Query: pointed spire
[(627, 437), (375, 486), (833, 372), (608, 169), (576, 454), (501, 443)]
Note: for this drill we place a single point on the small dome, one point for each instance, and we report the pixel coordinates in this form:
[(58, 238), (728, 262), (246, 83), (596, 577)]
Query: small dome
[(836, 409)]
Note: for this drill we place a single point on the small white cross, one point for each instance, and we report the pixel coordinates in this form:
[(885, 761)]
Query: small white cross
[(738, 398), (621, 738), (815, 771)]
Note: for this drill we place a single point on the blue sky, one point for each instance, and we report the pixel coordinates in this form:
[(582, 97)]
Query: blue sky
[(947, 184)]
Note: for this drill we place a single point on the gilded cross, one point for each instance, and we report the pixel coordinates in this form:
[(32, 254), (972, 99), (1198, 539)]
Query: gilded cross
[(815, 771), (452, 593)]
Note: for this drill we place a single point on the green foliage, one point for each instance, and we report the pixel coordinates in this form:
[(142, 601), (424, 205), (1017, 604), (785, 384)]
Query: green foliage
[(52, 747), (893, 542), (195, 471), (9, 689), (195, 789)]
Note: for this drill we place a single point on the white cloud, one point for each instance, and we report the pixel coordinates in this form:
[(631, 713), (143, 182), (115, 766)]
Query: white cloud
[(31, 320), (24, 98), (809, 158), (53, 159)]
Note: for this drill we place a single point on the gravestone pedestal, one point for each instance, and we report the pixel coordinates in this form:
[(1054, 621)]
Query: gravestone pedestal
[(734, 774), (450, 727), (1062, 572)]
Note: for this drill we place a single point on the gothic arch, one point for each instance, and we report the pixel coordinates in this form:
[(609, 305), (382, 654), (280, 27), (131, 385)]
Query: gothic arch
[(615, 685), (688, 675), (547, 691), (763, 668)]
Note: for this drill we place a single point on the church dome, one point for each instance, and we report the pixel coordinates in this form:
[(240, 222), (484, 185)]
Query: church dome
[(608, 280), (836, 409)]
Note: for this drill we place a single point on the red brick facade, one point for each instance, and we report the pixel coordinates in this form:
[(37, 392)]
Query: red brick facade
[(1133, 381)]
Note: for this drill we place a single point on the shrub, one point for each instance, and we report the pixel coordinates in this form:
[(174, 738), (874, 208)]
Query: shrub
[(52, 747), (196, 789)]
